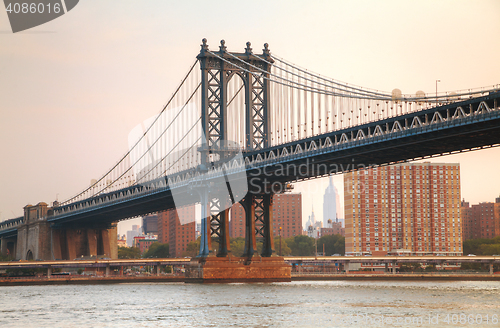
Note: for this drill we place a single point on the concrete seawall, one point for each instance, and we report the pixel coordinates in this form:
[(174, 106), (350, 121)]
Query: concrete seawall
[(398, 277), (85, 280)]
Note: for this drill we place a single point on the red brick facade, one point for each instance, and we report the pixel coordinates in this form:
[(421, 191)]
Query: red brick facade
[(176, 227), (481, 220), (143, 243), (412, 208), (336, 229), (287, 214)]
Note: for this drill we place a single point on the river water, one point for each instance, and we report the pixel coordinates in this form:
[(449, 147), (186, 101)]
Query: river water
[(296, 304)]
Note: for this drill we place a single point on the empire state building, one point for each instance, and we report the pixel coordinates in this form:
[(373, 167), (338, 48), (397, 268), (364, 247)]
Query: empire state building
[(331, 205)]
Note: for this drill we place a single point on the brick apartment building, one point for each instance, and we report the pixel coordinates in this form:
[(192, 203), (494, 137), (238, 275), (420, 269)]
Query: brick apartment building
[(403, 208), (480, 220), (177, 228), (287, 214), (466, 216)]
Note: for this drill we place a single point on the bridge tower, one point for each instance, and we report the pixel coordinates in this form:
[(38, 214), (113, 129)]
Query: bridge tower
[(217, 69)]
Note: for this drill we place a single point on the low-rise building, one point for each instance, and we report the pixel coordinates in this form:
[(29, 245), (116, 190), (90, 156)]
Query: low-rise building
[(334, 228), (144, 242), (481, 220)]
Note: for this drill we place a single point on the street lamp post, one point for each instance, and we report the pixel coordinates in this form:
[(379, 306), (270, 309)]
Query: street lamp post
[(280, 240), (316, 245)]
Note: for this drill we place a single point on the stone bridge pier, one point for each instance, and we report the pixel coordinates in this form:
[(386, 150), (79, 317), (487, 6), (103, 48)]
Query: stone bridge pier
[(8, 247), (76, 242), (38, 239)]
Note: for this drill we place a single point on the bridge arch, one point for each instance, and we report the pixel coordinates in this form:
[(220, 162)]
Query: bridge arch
[(237, 105), (29, 255), (218, 69)]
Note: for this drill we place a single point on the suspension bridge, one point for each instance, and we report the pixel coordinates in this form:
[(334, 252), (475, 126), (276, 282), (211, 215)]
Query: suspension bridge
[(242, 126)]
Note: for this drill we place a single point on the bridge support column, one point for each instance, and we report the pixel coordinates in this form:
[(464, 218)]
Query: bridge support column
[(105, 244), (250, 268), (214, 222), (8, 247), (250, 240), (386, 267), (267, 226), (491, 268), (206, 233), (3, 246), (92, 242), (393, 267), (68, 243), (49, 271), (221, 229), (108, 270), (71, 237), (258, 223), (56, 244)]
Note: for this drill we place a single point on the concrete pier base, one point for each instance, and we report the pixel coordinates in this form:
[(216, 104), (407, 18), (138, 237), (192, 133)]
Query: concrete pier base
[(237, 269)]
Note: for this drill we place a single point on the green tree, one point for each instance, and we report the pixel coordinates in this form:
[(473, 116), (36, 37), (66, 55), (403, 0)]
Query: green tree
[(285, 249), (489, 249), (482, 246), (129, 253), (24, 272), (334, 244), (471, 246), (301, 245), (192, 248), (157, 250), (237, 246)]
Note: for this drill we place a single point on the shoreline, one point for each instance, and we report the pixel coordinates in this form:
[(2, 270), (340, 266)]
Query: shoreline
[(82, 280)]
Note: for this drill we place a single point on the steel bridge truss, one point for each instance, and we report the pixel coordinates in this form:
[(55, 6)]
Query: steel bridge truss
[(453, 115), (465, 113), (216, 74)]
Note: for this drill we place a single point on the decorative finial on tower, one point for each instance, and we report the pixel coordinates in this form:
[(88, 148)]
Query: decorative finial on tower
[(204, 46), (222, 46), (204, 49), (266, 49), (248, 50)]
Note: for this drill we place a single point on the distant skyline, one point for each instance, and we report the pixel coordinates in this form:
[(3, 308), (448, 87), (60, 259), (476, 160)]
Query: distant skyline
[(72, 89)]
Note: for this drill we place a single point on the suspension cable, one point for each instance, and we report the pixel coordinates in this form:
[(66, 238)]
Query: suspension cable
[(138, 141), (305, 88), (151, 146)]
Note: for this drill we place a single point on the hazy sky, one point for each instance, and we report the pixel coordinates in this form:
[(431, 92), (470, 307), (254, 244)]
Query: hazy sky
[(72, 89)]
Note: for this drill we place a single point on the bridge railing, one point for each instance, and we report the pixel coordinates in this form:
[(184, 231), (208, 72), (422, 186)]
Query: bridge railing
[(11, 224), (386, 129)]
